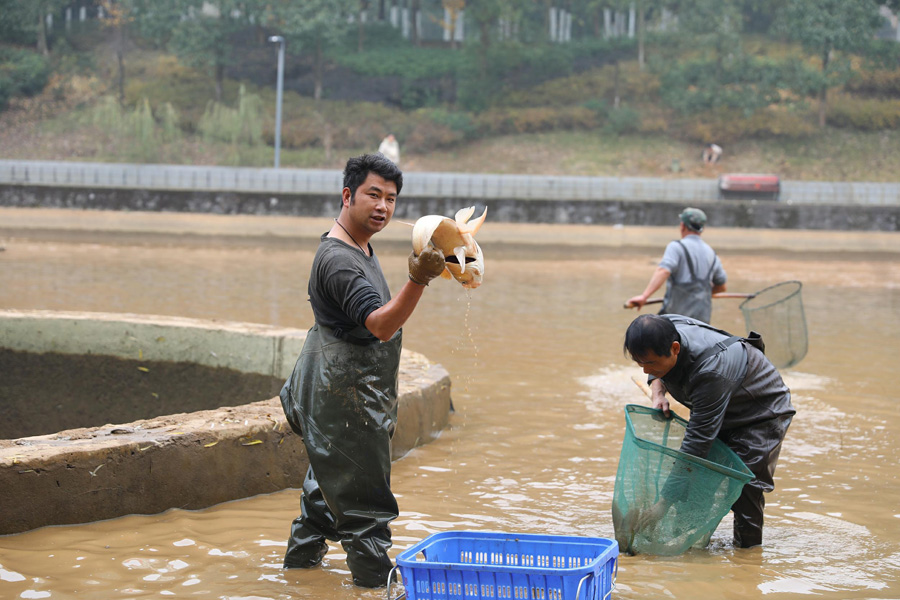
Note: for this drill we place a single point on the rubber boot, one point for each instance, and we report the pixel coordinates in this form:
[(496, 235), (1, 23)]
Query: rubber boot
[(306, 545), (368, 559)]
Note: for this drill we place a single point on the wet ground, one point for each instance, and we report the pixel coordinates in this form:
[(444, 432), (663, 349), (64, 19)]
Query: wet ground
[(539, 384)]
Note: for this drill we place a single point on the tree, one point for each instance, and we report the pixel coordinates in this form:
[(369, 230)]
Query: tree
[(118, 14), (203, 36), (825, 27), (26, 22), (713, 23), (315, 25)]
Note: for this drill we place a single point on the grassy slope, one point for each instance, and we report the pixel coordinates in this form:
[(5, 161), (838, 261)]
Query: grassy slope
[(56, 126)]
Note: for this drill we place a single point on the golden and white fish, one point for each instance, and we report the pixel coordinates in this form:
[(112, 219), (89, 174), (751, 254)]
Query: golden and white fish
[(455, 238)]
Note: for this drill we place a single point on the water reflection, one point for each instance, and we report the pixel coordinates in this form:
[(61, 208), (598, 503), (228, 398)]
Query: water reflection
[(539, 385)]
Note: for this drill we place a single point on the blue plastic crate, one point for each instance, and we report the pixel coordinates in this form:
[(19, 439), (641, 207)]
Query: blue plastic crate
[(467, 565)]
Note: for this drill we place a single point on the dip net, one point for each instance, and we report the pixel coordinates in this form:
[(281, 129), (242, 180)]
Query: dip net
[(699, 492), (777, 314)]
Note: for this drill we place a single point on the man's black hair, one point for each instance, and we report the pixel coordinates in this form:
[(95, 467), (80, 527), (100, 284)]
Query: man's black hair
[(650, 332), (359, 167)]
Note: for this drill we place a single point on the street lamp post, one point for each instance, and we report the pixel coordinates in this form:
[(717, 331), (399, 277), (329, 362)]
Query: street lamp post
[(280, 41)]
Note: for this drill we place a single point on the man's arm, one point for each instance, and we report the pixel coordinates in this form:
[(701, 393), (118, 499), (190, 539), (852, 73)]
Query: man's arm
[(659, 277), (384, 322), (658, 396)]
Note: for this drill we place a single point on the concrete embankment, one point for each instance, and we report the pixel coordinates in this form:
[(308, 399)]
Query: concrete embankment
[(765, 214), (518, 198), (187, 460)]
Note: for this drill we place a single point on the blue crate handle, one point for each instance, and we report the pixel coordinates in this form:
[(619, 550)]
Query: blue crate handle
[(611, 588), (390, 580), (580, 583)]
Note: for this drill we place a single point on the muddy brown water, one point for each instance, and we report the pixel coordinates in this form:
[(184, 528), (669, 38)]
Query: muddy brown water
[(539, 384)]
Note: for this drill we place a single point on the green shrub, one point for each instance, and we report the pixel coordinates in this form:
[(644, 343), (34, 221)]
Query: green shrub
[(426, 75), (732, 125), (428, 135), (865, 114), (744, 83), (484, 78), (506, 121), (622, 121), (241, 125), (6, 91), (597, 84), (22, 73), (880, 82), (134, 135)]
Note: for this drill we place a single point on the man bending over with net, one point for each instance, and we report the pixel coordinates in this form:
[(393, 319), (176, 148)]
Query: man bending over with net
[(734, 394)]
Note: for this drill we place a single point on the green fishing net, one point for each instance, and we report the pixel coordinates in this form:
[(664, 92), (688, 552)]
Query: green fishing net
[(777, 313), (699, 492)]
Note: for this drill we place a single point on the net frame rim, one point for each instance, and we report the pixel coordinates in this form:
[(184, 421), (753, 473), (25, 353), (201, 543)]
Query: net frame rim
[(745, 475), (744, 308)]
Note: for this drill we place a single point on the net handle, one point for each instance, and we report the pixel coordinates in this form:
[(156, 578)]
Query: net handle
[(649, 393), (720, 295)]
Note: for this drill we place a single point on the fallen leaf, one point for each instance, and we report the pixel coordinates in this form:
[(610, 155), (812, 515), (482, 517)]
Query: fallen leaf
[(144, 369), (252, 443), (211, 444)]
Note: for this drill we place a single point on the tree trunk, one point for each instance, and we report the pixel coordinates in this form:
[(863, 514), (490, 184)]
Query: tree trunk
[(414, 23), (616, 87), (823, 93), (42, 33), (317, 72), (120, 58), (220, 79), (361, 32), (485, 34), (641, 25)]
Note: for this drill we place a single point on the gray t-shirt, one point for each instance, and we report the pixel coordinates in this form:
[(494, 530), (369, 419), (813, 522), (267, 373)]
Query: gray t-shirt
[(345, 287), (701, 255)]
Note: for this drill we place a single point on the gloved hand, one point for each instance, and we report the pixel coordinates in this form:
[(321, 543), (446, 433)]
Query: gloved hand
[(426, 266)]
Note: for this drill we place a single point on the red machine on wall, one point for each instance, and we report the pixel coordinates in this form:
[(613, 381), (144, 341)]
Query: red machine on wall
[(749, 186)]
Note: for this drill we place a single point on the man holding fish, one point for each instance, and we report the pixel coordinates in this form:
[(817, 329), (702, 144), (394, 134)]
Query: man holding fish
[(342, 395)]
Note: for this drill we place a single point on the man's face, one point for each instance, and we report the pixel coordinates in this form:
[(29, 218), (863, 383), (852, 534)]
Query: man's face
[(372, 206), (656, 365)]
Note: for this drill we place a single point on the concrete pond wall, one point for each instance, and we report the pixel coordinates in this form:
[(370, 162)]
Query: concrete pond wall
[(744, 213), (187, 460)]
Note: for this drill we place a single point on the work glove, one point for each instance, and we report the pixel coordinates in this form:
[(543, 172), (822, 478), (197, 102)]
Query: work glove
[(426, 266)]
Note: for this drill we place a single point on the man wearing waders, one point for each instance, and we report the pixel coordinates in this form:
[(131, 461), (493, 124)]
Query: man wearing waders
[(692, 270), (734, 394), (342, 395)]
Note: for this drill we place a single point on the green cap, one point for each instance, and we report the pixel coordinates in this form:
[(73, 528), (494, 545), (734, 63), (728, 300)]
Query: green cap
[(694, 218)]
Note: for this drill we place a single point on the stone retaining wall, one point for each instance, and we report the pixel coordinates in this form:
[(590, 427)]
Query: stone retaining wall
[(745, 213)]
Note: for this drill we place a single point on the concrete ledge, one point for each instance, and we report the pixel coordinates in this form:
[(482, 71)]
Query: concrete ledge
[(187, 460), (609, 210)]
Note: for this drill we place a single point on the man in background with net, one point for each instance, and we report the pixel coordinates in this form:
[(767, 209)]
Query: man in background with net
[(692, 270), (734, 394)]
